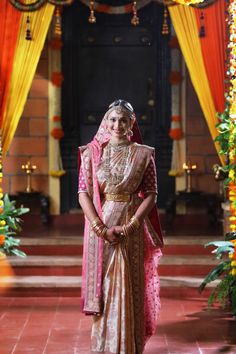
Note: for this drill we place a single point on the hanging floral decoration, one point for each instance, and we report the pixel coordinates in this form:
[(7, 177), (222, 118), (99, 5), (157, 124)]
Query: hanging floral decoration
[(175, 133), (188, 2), (56, 130), (232, 117)]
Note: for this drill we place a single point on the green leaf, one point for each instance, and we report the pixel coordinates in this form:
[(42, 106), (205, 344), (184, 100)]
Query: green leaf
[(223, 249), (219, 243), (213, 275), (227, 181), (22, 211), (233, 300), (17, 252), (230, 235)]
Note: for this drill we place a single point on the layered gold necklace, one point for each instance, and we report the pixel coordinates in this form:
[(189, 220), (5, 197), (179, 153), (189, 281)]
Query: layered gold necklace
[(117, 176)]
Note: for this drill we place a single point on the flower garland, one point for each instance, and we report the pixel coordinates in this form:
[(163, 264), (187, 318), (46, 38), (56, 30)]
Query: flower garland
[(2, 222), (232, 133), (189, 2), (56, 131), (175, 132)]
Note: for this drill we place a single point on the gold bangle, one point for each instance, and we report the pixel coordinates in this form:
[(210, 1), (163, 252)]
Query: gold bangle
[(104, 232), (95, 222), (134, 221), (125, 231)]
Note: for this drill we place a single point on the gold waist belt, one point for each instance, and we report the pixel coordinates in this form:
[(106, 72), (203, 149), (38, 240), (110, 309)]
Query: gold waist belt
[(117, 197)]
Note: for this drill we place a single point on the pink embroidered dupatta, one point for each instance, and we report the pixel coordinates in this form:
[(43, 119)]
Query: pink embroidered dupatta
[(92, 290)]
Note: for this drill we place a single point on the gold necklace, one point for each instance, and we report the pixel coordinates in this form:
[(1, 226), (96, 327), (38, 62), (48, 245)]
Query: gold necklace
[(117, 177), (122, 143)]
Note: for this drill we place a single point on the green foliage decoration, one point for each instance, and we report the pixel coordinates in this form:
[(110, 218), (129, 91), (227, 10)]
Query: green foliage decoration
[(225, 291), (10, 225)]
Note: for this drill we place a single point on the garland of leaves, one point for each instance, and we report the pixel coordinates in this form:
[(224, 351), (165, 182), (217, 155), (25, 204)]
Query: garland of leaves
[(37, 4)]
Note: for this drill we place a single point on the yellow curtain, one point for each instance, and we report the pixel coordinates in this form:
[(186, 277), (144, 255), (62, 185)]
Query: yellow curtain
[(185, 25), (26, 58)]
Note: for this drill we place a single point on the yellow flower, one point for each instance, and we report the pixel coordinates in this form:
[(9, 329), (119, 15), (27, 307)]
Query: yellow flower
[(1, 203), (2, 222), (231, 174), (232, 218), (232, 198), (232, 227), (233, 271)]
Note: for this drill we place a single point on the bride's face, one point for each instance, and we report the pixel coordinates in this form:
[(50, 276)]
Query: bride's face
[(118, 125)]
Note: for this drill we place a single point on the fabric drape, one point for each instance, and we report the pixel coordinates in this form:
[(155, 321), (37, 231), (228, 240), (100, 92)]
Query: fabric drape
[(213, 46), (185, 25), (9, 26), (26, 58)]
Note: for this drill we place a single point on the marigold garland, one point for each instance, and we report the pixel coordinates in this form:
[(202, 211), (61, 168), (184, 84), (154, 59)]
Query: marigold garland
[(232, 134), (175, 77), (57, 78), (188, 2)]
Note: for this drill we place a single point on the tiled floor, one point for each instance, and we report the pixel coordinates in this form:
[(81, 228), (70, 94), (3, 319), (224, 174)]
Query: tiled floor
[(56, 326)]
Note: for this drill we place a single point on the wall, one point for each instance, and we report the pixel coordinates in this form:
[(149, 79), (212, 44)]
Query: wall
[(199, 145), (31, 138)]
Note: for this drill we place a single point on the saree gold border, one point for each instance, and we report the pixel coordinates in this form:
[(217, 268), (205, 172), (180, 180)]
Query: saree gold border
[(136, 259)]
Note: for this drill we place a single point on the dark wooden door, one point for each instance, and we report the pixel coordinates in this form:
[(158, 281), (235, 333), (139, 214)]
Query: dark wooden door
[(105, 61)]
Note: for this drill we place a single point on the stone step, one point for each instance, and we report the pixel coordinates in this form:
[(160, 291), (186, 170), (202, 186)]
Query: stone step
[(71, 286), (189, 245), (73, 245), (173, 265), (69, 245), (47, 265)]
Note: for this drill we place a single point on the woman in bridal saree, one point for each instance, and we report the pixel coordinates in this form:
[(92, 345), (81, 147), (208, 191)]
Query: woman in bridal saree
[(122, 235)]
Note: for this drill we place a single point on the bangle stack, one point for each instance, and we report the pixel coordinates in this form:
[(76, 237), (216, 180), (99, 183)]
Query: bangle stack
[(132, 226), (98, 227)]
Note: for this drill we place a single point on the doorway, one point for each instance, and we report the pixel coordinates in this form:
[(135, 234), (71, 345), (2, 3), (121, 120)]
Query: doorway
[(105, 61)]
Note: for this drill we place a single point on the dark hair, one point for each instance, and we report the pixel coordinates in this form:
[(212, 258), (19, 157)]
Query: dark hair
[(122, 103)]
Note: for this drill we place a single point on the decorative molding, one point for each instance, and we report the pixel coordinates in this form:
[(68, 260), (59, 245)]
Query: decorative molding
[(37, 4)]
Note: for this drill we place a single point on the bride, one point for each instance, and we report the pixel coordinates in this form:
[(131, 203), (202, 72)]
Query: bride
[(122, 235)]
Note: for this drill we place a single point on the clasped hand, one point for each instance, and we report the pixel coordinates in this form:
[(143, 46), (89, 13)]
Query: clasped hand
[(114, 234)]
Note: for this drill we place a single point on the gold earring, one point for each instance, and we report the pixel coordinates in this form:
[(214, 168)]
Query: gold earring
[(130, 132)]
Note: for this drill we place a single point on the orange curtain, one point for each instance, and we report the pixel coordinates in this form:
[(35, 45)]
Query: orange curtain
[(9, 27), (214, 48)]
